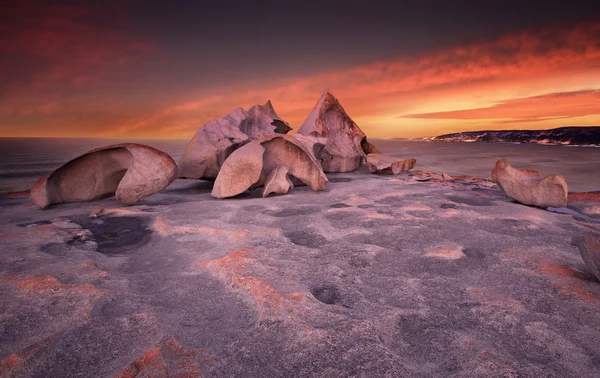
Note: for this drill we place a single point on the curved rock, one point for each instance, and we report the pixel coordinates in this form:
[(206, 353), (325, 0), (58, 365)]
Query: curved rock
[(384, 164), (215, 141), (589, 247), (529, 188), (277, 181), (346, 143), (247, 167), (130, 171), (314, 145)]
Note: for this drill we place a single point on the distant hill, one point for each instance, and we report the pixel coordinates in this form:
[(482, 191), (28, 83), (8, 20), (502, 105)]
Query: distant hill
[(571, 135)]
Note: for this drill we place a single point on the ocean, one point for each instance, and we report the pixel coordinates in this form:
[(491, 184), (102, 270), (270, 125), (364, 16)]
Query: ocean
[(24, 160)]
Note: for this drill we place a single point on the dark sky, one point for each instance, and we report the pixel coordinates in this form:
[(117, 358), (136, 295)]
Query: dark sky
[(134, 57)]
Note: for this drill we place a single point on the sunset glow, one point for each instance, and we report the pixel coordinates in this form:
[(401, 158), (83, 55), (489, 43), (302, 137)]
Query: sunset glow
[(65, 75)]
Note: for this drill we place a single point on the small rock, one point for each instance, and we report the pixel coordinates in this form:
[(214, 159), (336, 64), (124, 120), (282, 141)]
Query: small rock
[(384, 164), (529, 188), (589, 247), (447, 177)]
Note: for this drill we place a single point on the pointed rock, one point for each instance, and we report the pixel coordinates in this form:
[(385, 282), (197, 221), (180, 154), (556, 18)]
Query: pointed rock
[(529, 188), (247, 167), (277, 181), (346, 142), (130, 171), (215, 141), (384, 164)]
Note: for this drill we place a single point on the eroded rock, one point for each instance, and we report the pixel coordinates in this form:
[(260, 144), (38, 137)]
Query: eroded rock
[(215, 141), (277, 181), (384, 164), (589, 247), (129, 171), (529, 188), (247, 167), (346, 143)]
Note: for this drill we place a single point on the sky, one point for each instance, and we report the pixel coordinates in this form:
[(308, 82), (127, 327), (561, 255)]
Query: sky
[(162, 69)]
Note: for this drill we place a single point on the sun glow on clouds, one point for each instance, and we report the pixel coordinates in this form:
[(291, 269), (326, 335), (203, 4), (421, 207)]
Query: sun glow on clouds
[(535, 79)]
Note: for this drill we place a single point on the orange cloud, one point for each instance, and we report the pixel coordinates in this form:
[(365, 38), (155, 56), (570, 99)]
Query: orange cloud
[(57, 54), (504, 81), (548, 106), (530, 62)]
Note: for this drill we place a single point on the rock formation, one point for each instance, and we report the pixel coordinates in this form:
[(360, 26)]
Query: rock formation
[(215, 141), (384, 164), (589, 247), (346, 143), (249, 166), (529, 188), (277, 181), (130, 171)]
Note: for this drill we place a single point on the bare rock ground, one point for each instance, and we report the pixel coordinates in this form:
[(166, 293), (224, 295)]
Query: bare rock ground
[(406, 275)]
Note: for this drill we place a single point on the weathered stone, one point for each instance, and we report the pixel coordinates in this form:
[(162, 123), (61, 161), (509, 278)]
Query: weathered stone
[(314, 145), (369, 148), (531, 171), (277, 181), (346, 143), (447, 177), (384, 164), (215, 141), (247, 167), (589, 247), (529, 188), (130, 171)]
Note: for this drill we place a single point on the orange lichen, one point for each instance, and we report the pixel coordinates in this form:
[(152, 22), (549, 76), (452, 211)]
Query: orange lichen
[(16, 361), (148, 364), (167, 359), (160, 225), (39, 283), (565, 280), (584, 196), (235, 269)]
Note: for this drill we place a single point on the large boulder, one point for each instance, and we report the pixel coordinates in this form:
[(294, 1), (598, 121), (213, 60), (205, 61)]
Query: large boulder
[(215, 141), (129, 171), (249, 166), (346, 143), (589, 247), (384, 164), (529, 188)]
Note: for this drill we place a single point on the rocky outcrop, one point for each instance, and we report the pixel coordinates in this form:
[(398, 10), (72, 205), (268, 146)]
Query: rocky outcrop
[(384, 164), (577, 136), (277, 181), (248, 167), (346, 144), (529, 188), (129, 171), (215, 141), (589, 247)]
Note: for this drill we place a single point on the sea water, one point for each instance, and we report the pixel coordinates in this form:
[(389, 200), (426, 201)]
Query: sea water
[(24, 160)]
